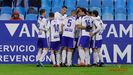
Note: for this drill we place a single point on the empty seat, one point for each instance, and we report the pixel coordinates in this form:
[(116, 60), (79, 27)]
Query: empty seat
[(6, 10), (96, 8), (47, 9), (45, 3), (83, 3), (130, 17), (70, 3), (129, 11), (58, 3), (107, 16), (56, 9), (129, 3), (107, 10), (21, 10), (120, 16), (120, 4), (69, 10), (107, 3), (95, 3), (5, 17), (120, 10), (31, 17)]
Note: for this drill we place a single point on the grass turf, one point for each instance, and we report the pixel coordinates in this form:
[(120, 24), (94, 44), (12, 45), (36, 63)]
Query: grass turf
[(22, 69)]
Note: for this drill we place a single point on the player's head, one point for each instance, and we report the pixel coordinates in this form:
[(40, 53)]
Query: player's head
[(73, 13), (83, 12), (95, 13), (89, 13), (78, 9), (42, 12), (51, 15), (64, 10)]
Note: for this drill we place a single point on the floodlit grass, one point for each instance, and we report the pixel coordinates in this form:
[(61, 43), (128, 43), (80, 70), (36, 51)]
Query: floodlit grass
[(22, 69)]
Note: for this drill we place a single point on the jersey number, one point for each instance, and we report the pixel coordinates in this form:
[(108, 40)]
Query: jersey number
[(69, 23), (56, 27), (87, 22)]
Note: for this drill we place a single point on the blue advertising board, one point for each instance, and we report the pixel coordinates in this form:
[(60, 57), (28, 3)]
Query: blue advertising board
[(18, 42)]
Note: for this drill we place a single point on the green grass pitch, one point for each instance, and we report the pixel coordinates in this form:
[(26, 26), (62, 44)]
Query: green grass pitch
[(22, 69)]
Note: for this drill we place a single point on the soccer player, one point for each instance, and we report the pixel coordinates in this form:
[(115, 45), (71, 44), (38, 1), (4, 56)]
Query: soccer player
[(68, 37), (42, 40), (96, 35), (54, 39), (84, 39), (61, 16)]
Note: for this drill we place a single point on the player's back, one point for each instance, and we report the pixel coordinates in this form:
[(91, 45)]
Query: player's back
[(54, 30), (42, 22), (85, 21), (69, 27), (98, 22)]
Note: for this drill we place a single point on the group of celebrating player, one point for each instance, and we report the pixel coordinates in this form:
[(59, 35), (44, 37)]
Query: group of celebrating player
[(62, 34)]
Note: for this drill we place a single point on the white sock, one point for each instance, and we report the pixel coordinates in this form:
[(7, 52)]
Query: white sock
[(38, 55), (53, 58), (81, 54), (43, 55), (58, 58), (63, 56), (100, 57), (87, 57), (95, 56), (69, 58)]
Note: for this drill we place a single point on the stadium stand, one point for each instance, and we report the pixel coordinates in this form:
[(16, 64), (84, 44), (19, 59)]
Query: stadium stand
[(5, 16), (83, 3), (21, 10), (6, 10), (58, 3), (108, 9), (31, 17)]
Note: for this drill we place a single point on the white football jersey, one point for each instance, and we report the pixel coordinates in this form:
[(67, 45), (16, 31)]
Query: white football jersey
[(84, 21), (60, 17), (55, 26), (42, 26), (69, 27), (98, 28)]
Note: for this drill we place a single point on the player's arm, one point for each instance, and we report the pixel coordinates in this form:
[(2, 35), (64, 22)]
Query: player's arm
[(79, 26), (98, 28)]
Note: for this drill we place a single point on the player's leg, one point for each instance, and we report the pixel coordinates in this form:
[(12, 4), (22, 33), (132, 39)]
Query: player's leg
[(87, 57), (38, 56), (95, 56), (63, 43), (69, 56), (44, 51), (81, 55), (58, 58), (56, 47), (53, 58), (100, 57), (64, 55), (81, 50)]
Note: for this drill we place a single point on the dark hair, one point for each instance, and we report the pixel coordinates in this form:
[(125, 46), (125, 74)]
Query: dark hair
[(42, 11), (84, 10), (95, 12), (64, 7), (51, 14), (73, 11), (89, 12)]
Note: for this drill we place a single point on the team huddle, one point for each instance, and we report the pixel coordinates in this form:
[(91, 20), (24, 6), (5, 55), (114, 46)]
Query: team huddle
[(61, 34)]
